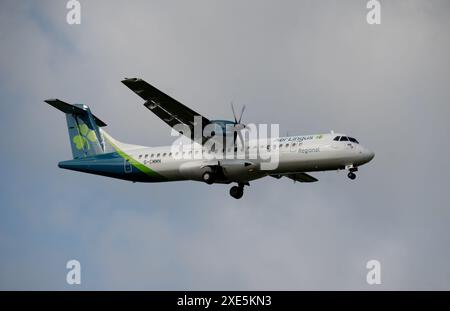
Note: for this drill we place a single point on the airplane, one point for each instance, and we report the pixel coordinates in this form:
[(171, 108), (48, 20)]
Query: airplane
[(94, 151)]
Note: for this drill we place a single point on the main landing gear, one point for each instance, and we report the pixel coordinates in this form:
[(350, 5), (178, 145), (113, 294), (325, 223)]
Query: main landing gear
[(208, 177), (238, 191)]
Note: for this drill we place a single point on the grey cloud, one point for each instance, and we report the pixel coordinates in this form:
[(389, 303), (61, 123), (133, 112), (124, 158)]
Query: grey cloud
[(311, 66)]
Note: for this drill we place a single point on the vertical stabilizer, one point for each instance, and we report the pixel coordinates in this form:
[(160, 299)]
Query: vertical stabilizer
[(84, 129)]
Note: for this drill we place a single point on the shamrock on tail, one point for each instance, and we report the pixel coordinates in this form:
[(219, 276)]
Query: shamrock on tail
[(84, 136)]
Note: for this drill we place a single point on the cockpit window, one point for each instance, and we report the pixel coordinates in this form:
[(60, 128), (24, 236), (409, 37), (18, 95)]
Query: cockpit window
[(353, 140), (346, 138)]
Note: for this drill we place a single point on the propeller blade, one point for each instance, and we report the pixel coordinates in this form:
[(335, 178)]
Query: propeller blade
[(242, 112), (234, 113), (237, 123)]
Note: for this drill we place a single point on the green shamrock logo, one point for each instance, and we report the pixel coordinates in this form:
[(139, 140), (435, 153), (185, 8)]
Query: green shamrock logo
[(84, 136)]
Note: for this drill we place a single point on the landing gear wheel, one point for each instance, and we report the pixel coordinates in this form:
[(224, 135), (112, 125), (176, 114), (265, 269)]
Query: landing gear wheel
[(351, 175), (237, 192), (208, 178)]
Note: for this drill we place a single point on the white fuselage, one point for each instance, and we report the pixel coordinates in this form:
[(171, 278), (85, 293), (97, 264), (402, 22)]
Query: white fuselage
[(285, 154)]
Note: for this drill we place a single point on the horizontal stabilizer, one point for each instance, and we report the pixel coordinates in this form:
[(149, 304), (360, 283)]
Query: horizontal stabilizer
[(72, 109)]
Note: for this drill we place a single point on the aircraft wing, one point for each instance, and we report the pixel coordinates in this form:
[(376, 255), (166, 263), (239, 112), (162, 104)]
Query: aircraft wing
[(165, 107), (301, 177)]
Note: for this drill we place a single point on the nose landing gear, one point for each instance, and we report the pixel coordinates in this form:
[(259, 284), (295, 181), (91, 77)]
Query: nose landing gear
[(351, 175), (351, 171)]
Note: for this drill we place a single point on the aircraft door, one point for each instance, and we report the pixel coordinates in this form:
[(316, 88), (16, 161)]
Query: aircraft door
[(127, 166), (335, 142)]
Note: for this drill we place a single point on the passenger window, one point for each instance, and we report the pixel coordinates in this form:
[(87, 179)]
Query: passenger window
[(344, 138), (337, 138), (164, 154), (158, 155), (146, 156), (140, 156)]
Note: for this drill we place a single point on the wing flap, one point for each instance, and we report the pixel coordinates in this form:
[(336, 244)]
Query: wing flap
[(301, 177)]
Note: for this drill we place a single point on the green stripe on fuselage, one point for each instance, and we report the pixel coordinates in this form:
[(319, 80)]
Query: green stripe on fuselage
[(144, 169)]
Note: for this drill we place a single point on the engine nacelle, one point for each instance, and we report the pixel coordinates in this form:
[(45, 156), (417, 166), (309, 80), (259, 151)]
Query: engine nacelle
[(195, 170), (239, 170), (224, 171)]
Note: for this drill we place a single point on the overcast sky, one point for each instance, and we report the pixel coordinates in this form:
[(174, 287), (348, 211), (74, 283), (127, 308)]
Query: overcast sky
[(311, 66)]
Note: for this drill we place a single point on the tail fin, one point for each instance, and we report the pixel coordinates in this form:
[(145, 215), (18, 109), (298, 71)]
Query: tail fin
[(84, 129)]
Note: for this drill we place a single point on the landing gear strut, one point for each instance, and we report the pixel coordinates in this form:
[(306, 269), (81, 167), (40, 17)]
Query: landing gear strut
[(237, 191), (351, 171)]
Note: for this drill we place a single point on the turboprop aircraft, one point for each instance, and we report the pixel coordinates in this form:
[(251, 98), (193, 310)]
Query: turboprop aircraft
[(219, 154)]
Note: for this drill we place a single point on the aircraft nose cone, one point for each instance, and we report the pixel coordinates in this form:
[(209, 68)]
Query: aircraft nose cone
[(370, 155)]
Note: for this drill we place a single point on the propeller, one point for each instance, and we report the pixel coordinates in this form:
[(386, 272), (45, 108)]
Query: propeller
[(236, 121), (238, 126)]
